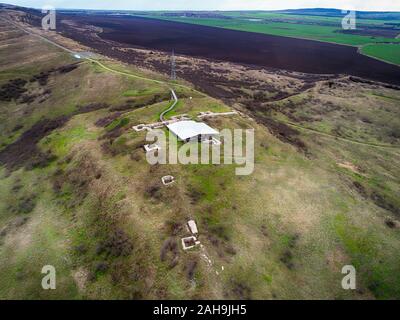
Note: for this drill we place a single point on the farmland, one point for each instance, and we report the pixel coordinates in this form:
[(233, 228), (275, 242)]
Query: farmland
[(231, 45), (370, 29), (385, 52)]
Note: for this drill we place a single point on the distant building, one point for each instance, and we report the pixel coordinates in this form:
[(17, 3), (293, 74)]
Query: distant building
[(192, 130)]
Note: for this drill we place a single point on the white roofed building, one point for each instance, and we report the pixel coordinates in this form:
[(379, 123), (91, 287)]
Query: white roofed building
[(192, 227), (191, 130)]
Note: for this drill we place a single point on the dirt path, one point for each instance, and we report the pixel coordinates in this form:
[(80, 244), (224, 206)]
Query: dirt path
[(171, 107), (340, 138)]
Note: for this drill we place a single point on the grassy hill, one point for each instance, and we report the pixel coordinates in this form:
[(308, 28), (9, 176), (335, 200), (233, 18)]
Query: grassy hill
[(78, 193)]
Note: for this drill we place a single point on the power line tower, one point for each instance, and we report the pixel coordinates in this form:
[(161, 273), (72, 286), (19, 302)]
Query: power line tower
[(173, 66)]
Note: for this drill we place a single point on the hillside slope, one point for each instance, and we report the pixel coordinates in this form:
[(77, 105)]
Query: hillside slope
[(78, 193)]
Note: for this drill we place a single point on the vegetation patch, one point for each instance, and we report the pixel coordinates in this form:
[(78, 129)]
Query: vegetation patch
[(380, 274), (284, 133), (92, 107), (382, 196), (169, 252), (116, 245), (141, 101), (290, 243), (240, 290), (24, 152), (106, 121), (13, 90), (190, 269), (117, 123), (13, 225)]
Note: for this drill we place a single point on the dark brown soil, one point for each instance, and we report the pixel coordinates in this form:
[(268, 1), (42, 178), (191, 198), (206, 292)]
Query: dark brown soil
[(236, 46)]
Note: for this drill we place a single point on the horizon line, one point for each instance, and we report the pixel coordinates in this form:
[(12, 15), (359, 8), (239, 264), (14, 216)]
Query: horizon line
[(205, 10)]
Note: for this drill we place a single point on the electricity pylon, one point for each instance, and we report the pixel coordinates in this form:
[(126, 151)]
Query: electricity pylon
[(173, 66)]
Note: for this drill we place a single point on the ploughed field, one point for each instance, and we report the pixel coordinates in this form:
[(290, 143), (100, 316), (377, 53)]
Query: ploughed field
[(240, 47)]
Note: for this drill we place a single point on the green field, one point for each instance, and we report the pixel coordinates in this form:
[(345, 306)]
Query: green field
[(386, 52), (326, 29)]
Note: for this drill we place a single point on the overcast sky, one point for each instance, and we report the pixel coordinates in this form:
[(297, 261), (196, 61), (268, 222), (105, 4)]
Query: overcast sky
[(371, 5)]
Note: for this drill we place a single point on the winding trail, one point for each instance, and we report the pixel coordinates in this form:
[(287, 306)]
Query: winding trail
[(175, 98), (375, 145)]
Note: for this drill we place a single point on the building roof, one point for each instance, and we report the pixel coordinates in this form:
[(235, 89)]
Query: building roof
[(192, 226), (190, 129)]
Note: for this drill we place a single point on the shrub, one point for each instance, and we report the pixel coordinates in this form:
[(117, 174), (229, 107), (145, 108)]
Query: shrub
[(169, 251), (27, 204), (118, 244), (101, 267)]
